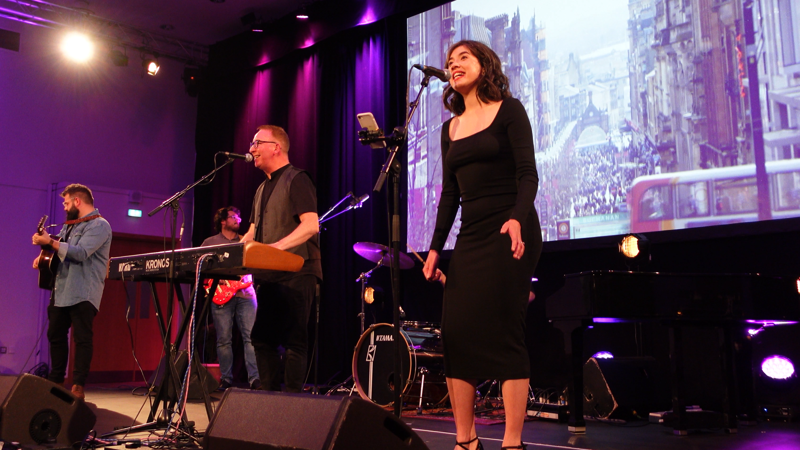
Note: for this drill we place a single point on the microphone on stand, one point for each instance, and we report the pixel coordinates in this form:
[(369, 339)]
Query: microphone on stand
[(358, 202), (247, 157), (442, 74)]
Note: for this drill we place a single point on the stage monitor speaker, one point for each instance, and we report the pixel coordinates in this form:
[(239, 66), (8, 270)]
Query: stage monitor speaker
[(37, 411), (259, 420), (623, 388), (197, 381)]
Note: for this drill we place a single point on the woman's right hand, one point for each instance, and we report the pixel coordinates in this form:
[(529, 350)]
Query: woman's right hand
[(431, 265)]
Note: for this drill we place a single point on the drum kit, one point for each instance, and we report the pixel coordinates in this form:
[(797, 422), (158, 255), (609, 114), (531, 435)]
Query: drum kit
[(422, 364)]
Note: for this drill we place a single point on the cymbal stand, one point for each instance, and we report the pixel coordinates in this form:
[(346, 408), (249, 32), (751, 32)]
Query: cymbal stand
[(363, 279)]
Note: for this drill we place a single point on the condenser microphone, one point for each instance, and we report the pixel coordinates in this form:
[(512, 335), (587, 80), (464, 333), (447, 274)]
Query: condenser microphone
[(442, 74), (247, 157), (358, 202)]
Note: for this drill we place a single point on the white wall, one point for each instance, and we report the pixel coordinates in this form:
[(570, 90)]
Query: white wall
[(104, 126)]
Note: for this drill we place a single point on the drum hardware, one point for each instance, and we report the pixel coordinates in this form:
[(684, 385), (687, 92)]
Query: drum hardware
[(381, 254), (422, 363)]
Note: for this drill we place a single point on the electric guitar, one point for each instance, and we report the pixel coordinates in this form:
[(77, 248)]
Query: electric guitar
[(226, 289), (48, 264)]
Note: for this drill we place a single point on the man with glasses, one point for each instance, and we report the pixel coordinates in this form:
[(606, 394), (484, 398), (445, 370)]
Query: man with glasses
[(284, 216), (241, 307), (82, 250)]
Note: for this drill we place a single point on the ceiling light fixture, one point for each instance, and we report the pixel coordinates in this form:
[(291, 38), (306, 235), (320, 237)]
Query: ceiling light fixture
[(118, 57), (77, 47), (151, 65), (302, 13)]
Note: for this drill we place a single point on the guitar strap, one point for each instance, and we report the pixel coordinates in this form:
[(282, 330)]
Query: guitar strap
[(71, 224)]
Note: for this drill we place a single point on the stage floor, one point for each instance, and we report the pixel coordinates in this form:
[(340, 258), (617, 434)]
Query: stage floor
[(116, 406)]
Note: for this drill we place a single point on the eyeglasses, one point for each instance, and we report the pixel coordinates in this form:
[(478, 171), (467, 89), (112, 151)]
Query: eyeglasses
[(256, 143), (234, 216), (68, 201)]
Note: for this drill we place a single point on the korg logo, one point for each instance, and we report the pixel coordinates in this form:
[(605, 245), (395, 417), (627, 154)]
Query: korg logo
[(124, 267), (157, 264)]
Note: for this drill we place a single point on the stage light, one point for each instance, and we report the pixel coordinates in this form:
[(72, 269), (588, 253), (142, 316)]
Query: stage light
[(77, 47), (603, 355), (635, 248), (777, 367), (369, 295), (192, 80), (253, 21), (134, 213), (302, 14), (151, 65), (119, 58)]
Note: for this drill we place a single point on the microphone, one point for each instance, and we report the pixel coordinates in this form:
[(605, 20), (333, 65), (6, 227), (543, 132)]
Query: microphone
[(358, 202), (247, 157), (442, 74)]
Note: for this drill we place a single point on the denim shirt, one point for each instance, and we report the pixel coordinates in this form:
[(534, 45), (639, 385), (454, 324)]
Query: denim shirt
[(83, 267)]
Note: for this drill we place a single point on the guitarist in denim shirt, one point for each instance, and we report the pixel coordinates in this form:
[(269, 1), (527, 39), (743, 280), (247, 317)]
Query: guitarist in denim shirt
[(82, 253), (242, 307)]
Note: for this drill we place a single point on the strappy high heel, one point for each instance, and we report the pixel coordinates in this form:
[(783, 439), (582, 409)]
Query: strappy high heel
[(465, 445), (521, 445)]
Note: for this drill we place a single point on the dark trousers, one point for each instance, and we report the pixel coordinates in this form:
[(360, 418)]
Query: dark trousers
[(80, 317), (282, 319)]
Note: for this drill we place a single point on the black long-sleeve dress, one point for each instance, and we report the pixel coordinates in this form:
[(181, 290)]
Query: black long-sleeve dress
[(493, 175)]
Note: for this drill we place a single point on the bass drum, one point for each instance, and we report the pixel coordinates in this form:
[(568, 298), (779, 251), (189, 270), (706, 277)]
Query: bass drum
[(421, 355)]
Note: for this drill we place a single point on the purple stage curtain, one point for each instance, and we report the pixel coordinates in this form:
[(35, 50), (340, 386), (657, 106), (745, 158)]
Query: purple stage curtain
[(314, 94)]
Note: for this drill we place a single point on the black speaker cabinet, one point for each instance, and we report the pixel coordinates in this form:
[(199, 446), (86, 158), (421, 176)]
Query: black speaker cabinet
[(259, 420), (36, 411), (624, 388)]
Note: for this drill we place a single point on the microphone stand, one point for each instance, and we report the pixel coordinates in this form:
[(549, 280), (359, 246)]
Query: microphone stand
[(392, 166), (170, 348), (322, 219)]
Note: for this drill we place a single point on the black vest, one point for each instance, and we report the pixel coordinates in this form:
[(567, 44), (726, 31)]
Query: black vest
[(278, 220)]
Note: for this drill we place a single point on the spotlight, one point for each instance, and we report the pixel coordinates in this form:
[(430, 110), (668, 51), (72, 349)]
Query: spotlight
[(635, 248), (603, 355), (119, 58), (151, 65), (777, 367), (253, 21), (302, 13), (77, 47), (193, 80)]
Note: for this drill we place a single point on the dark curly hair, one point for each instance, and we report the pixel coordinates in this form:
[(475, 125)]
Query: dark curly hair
[(492, 84), (222, 216)]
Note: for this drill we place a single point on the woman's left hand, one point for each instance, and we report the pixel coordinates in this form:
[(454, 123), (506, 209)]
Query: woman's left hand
[(513, 229)]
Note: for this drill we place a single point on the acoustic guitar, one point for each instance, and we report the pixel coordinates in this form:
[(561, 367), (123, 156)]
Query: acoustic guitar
[(48, 264)]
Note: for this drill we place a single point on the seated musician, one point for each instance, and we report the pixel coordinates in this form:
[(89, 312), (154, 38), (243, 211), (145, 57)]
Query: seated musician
[(241, 307)]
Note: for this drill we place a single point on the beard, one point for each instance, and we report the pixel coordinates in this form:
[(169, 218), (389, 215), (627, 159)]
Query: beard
[(73, 213), (234, 228)]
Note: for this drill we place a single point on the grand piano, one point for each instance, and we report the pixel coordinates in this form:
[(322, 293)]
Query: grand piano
[(725, 301)]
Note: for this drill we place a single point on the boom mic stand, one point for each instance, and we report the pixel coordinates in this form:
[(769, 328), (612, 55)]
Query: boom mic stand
[(170, 348), (322, 219), (392, 166)]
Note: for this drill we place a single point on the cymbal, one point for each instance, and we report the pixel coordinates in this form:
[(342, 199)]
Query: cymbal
[(374, 252)]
